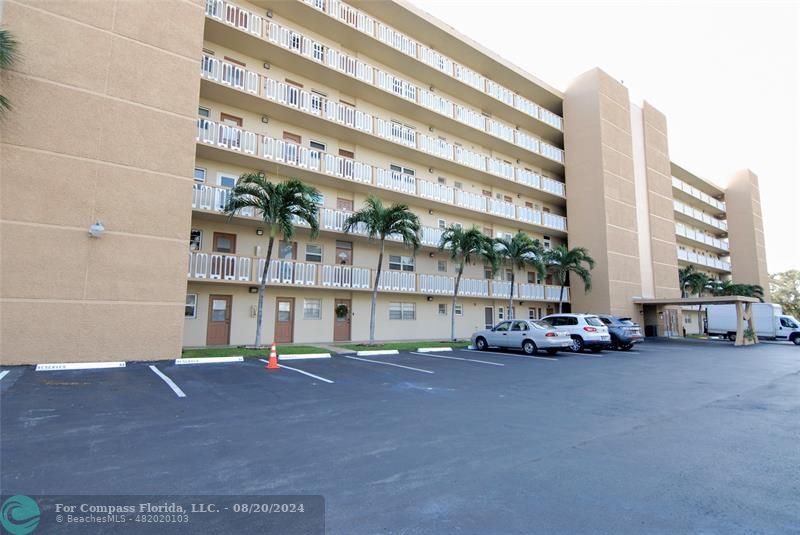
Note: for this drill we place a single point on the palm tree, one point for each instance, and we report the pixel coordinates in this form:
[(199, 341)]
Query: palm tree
[(381, 222), (8, 55), (684, 276), (562, 261), (722, 288), (519, 251), (281, 206), (464, 246), (696, 283)]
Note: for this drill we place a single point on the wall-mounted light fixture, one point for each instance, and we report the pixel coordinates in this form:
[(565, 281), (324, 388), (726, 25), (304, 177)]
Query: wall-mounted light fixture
[(253, 289), (259, 232), (96, 229), (429, 298), (269, 13), (430, 254), (264, 119), (267, 65), (430, 211)]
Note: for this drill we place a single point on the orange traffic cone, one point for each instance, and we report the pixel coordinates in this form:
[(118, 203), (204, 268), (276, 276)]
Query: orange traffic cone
[(273, 358)]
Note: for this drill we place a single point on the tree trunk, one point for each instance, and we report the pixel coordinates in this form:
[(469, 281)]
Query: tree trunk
[(699, 320), (455, 299), (375, 296), (262, 289), (561, 297), (510, 296)]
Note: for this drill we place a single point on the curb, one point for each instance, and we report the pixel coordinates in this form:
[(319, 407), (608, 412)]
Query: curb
[(79, 366), (472, 347), (377, 352), (302, 356), (209, 360), (433, 349)]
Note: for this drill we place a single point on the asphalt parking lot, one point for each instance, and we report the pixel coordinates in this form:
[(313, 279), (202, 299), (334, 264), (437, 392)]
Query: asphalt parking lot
[(672, 437)]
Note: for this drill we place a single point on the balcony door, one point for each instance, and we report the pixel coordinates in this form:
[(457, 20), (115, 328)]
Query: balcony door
[(218, 331), (284, 320), (341, 320)]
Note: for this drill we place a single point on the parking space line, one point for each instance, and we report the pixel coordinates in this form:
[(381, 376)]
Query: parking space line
[(175, 388), (387, 364), (510, 355), (457, 358), (3, 374), (303, 372)]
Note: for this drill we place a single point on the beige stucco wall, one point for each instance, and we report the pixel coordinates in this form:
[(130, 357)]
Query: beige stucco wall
[(746, 231), (98, 131), (601, 195)]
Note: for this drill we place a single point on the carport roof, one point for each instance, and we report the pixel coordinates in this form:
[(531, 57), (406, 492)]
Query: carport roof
[(718, 300)]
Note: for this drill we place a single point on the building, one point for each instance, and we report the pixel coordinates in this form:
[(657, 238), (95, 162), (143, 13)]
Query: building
[(114, 122)]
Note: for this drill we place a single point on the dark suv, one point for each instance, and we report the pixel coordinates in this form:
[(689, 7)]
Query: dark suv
[(624, 332)]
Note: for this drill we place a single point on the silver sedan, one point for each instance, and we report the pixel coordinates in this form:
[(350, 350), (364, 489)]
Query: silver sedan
[(528, 335)]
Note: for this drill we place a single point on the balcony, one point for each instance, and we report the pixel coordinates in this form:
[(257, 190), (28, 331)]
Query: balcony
[(396, 93), (691, 193), (702, 260), (340, 120), (699, 236), (318, 163), (441, 70), (706, 221), (248, 270)]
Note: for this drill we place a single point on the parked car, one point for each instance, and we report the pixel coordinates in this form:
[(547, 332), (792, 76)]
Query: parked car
[(586, 331), (624, 332), (528, 335)]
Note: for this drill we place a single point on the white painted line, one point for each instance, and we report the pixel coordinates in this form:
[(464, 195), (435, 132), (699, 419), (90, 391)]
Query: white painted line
[(458, 358), (377, 352), (387, 364), (78, 366), (303, 372), (3, 374), (302, 356), (433, 349), (175, 388), (209, 360), (515, 355)]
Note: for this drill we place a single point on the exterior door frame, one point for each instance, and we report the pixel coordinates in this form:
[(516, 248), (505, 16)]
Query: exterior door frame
[(278, 301), (228, 307), (348, 321)]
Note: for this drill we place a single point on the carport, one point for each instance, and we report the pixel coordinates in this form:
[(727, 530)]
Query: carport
[(744, 311)]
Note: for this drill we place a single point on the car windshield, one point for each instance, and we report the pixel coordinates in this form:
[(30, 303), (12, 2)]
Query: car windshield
[(789, 322), (594, 320), (541, 324)]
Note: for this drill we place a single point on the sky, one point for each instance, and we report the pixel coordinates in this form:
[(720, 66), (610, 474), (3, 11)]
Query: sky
[(724, 73)]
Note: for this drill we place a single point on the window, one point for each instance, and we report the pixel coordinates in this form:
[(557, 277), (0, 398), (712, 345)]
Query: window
[(402, 311), (312, 309), (503, 326), (196, 240), (442, 223), (594, 320), (519, 326), (224, 243), (509, 274), (442, 180), (199, 174), (313, 253), (401, 263), (500, 313), (487, 273), (226, 181), (457, 225), (191, 306), (203, 112), (442, 308), (532, 313), (687, 320), (458, 185), (606, 321), (546, 241), (316, 145), (459, 309), (400, 169), (316, 101), (318, 51), (441, 265), (287, 250)]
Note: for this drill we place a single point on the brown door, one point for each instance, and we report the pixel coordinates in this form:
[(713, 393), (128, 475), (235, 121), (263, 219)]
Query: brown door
[(284, 320), (288, 136), (230, 119), (344, 204), (347, 153), (341, 320), (344, 252), (218, 332)]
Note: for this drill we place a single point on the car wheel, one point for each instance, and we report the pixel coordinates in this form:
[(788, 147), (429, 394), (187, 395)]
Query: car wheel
[(732, 337), (796, 340), (614, 342), (529, 347), (552, 351), (480, 343), (626, 347), (577, 344)]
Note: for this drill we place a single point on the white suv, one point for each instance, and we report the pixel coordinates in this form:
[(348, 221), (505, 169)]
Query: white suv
[(586, 330)]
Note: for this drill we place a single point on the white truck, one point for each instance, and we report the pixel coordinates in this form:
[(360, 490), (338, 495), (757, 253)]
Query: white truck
[(770, 322)]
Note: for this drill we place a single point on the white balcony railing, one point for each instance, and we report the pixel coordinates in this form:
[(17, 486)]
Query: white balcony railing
[(398, 281), (697, 194), (699, 215), (703, 260), (298, 156), (701, 237)]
